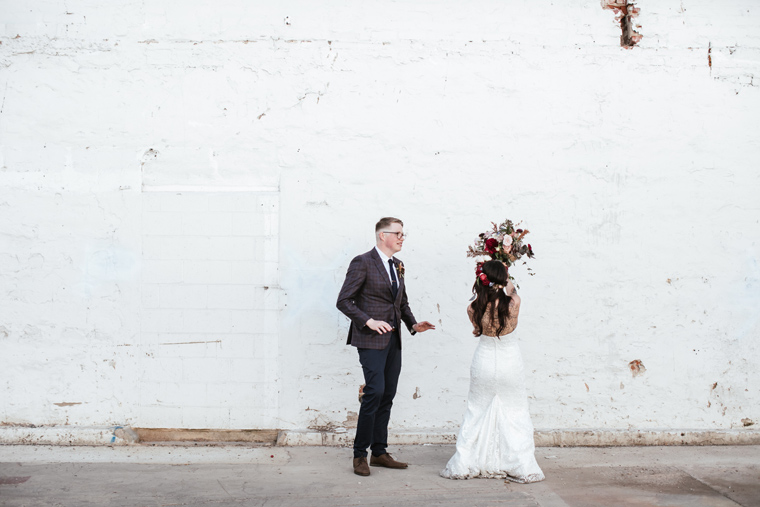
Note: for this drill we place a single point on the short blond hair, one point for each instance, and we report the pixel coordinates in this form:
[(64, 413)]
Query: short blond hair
[(386, 222)]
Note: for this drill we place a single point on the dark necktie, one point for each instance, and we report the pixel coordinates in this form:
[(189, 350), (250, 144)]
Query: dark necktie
[(394, 283)]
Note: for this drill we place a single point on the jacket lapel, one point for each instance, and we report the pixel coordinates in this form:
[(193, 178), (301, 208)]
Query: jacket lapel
[(379, 265)]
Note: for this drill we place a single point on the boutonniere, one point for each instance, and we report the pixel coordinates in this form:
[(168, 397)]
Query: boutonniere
[(401, 270)]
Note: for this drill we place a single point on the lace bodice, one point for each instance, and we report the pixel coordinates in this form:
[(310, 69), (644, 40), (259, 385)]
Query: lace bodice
[(489, 327)]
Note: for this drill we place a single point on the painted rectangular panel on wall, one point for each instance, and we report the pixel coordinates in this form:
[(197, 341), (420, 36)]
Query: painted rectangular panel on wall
[(210, 310)]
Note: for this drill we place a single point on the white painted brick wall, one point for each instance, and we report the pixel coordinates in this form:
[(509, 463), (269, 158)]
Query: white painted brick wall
[(162, 164), (202, 321)]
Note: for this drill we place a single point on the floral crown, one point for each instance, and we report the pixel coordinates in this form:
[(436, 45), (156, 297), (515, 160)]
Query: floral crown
[(484, 278)]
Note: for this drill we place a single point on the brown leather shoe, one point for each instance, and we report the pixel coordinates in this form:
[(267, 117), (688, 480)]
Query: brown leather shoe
[(361, 467), (385, 460)]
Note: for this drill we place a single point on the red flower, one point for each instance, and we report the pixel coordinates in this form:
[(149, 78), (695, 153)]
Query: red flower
[(484, 279), (491, 244)]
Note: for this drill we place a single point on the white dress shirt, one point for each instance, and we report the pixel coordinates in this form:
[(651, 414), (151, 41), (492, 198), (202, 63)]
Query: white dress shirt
[(385, 258)]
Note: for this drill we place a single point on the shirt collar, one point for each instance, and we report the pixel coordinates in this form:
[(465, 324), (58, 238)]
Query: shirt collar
[(383, 257)]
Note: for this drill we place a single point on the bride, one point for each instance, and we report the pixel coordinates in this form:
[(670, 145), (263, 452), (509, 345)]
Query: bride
[(496, 437)]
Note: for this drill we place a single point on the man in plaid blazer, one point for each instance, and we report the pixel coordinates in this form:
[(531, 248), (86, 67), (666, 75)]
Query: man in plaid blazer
[(373, 296)]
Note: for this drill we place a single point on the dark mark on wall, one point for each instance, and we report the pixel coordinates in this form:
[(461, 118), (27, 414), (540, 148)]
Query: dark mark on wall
[(637, 367), (625, 11)]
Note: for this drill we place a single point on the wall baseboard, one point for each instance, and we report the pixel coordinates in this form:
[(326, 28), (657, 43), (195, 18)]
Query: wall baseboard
[(547, 438), (573, 437)]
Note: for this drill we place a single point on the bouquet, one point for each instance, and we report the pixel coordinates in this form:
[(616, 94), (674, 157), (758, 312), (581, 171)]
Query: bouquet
[(503, 243)]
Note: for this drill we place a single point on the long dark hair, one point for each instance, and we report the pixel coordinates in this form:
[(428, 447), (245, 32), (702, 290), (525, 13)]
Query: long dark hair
[(496, 273)]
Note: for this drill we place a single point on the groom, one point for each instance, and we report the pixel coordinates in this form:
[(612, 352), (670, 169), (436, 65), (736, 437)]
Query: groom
[(374, 298)]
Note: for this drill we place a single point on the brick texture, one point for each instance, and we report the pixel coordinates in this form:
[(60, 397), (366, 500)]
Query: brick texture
[(210, 287)]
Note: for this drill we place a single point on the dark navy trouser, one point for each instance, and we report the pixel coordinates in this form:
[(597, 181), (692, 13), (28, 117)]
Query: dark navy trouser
[(381, 371)]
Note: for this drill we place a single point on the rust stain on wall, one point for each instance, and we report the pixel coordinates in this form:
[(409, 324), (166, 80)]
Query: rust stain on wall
[(637, 367)]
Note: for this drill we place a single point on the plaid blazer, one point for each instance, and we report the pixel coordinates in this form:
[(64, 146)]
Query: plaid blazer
[(367, 293)]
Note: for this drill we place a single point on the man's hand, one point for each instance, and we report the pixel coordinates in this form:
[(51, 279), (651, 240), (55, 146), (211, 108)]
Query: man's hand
[(379, 325), (423, 326)]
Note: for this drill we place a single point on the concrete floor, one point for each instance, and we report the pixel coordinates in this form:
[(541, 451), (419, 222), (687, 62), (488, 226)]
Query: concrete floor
[(229, 475)]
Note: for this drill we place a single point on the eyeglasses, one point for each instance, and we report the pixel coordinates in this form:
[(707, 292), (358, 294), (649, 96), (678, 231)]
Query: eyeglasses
[(399, 235)]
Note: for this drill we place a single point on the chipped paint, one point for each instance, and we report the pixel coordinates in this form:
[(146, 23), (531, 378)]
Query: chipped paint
[(625, 13), (637, 367)]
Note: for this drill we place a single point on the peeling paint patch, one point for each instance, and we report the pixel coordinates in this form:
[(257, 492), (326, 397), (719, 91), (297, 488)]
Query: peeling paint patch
[(747, 422), (352, 418), (68, 404), (585, 384), (637, 367), (416, 393), (625, 11)]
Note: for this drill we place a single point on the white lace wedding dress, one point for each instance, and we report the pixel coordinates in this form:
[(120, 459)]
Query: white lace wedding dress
[(496, 437)]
